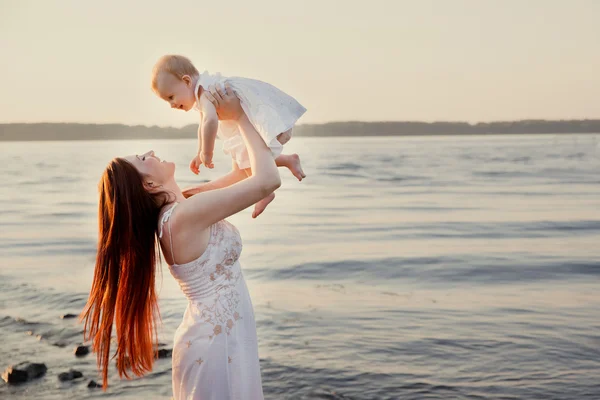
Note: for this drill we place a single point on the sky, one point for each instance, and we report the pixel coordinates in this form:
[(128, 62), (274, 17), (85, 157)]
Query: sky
[(376, 60)]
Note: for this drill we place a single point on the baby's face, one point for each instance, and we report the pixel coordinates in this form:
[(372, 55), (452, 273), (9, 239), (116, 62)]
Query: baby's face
[(179, 93)]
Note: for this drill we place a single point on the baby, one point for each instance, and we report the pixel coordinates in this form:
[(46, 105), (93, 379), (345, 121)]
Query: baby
[(272, 112)]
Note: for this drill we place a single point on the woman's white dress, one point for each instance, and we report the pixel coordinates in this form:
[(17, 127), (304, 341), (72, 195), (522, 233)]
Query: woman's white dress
[(215, 351)]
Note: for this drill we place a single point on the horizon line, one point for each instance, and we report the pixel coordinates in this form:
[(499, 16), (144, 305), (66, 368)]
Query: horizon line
[(324, 123)]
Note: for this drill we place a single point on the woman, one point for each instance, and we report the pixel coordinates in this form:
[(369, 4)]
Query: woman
[(215, 353)]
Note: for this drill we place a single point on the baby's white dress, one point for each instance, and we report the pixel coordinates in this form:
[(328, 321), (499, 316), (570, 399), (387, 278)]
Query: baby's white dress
[(270, 111)]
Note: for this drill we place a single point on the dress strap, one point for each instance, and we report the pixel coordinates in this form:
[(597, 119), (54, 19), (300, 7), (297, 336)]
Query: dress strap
[(166, 218)]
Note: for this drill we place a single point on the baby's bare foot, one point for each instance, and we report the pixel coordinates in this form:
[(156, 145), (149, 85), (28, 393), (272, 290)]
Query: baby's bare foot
[(296, 167), (291, 162), (262, 204)]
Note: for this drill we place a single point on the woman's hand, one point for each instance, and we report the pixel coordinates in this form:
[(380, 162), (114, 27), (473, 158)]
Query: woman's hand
[(225, 101)]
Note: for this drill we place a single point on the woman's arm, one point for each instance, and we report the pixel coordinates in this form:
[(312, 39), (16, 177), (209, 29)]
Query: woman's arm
[(206, 208), (234, 176)]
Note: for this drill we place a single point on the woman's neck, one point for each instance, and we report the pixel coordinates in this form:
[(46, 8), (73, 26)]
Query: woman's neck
[(173, 188)]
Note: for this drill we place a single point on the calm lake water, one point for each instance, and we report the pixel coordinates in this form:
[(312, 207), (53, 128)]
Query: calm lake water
[(401, 268)]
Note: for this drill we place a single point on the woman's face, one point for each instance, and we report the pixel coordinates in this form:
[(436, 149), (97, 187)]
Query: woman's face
[(151, 166)]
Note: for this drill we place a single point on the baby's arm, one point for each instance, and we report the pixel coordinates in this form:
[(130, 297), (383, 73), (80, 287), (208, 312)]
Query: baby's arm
[(200, 134), (197, 160), (208, 133)]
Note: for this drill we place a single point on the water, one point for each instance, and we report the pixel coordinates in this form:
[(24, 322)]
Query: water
[(401, 268)]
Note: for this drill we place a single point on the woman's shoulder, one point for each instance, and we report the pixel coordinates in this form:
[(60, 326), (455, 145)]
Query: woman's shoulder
[(186, 217), (183, 217), (164, 216)]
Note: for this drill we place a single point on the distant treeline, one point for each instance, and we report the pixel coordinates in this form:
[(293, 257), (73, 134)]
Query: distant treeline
[(73, 131)]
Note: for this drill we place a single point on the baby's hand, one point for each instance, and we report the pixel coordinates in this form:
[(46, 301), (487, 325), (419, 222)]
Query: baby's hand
[(206, 159), (195, 164)]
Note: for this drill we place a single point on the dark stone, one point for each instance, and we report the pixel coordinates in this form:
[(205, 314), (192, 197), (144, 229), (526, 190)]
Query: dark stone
[(68, 316), (69, 376), (93, 384), (13, 375), (23, 372), (82, 351), (164, 353)]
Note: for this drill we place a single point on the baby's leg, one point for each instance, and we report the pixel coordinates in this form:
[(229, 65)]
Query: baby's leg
[(284, 137), (260, 206), (291, 162)]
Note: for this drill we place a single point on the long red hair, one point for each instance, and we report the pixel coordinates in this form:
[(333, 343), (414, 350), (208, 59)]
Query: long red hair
[(123, 290)]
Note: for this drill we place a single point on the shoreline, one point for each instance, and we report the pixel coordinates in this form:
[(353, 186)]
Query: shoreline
[(90, 139), (79, 131)]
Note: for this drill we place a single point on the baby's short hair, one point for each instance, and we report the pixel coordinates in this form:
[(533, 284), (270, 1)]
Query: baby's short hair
[(175, 65)]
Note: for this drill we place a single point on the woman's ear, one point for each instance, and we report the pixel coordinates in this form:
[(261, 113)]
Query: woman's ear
[(151, 186)]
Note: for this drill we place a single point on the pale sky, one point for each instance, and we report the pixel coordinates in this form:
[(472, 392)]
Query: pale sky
[(372, 60)]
